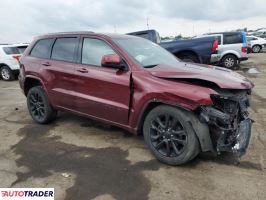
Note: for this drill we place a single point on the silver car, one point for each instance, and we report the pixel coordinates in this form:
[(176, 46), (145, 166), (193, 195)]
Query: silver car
[(232, 47)]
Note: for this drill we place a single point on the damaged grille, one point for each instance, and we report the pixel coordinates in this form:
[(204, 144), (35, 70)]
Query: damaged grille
[(229, 121)]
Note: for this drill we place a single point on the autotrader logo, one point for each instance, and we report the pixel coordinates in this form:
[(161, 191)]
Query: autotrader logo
[(26, 193)]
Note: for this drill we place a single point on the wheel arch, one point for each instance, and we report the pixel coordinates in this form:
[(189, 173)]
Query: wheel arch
[(231, 54), (3, 64), (257, 45), (30, 82), (201, 130), (187, 52)]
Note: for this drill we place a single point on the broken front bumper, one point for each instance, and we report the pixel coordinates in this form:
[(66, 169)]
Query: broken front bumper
[(229, 124), (242, 137)]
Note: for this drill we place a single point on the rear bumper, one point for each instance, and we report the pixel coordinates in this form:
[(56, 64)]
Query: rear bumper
[(15, 72), (243, 58), (249, 50), (215, 58)]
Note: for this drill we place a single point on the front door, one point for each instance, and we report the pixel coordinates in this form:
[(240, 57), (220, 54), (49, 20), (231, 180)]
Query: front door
[(101, 92)]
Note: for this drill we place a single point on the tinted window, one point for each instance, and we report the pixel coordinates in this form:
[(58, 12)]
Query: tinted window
[(219, 38), (143, 35), (64, 49), (42, 48), (93, 50), (10, 50), (233, 38), (21, 49)]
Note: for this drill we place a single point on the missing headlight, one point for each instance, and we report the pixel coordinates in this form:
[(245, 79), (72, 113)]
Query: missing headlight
[(228, 120)]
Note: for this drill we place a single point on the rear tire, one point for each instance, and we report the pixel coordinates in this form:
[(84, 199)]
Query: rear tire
[(230, 61), (169, 137), (39, 106), (6, 73), (256, 49)]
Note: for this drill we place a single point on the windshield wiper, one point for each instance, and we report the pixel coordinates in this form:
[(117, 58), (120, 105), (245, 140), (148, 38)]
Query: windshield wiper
[(150, 66)]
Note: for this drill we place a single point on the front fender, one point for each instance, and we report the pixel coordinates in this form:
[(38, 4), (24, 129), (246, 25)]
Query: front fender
[(201, 130), (149, 89)]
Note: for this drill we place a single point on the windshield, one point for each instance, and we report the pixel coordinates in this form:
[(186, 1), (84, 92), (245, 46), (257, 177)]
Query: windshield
[(146, 53)]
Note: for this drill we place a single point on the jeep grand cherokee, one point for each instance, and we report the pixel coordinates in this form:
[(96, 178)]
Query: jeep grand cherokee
[(180, 108)]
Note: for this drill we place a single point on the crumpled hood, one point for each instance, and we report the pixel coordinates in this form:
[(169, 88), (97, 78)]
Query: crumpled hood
[(222, 77)]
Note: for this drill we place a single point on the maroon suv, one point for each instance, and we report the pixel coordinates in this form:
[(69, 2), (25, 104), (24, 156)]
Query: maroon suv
[(180, 108)]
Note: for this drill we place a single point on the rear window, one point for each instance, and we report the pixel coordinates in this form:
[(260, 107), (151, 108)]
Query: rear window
[(42, 48), (64, 49), (143, 35), (234, 38), (251, 38), (11, 50), (219, 38), (21, 49)]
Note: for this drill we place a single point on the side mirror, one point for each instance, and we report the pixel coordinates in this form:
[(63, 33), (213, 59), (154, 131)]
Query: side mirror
[(112, 61)]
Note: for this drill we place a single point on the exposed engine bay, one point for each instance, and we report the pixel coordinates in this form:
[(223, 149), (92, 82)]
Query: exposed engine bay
[(228, 120)]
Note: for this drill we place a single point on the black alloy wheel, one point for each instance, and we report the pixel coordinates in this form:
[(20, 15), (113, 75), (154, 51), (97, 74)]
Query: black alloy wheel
[(39, 106), (36, 106), (168, 135)]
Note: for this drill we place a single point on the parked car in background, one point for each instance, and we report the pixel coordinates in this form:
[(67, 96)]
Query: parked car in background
[(256, 44), (260, 33), (9, 60), (262, 36), (200, 50), (180, 108), (232, 46)]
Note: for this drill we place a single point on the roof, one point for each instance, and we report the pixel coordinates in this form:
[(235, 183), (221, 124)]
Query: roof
[(228, 32), (14, 45), (90, 33)]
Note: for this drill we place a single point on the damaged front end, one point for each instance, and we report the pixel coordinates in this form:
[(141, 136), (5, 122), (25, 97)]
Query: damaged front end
[(229, 122)]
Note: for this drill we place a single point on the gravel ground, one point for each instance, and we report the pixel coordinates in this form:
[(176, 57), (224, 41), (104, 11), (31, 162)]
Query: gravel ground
[(83, 159)]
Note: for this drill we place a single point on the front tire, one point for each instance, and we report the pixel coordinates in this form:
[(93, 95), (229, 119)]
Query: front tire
[(169, 137), (7, 74), (39, 106)]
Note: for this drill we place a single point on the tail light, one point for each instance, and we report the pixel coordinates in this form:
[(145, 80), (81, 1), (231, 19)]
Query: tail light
[(17, 58), (244, 49), (214, 46)]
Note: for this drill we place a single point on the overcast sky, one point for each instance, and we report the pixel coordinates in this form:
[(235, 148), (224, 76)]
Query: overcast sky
[(21, 20)]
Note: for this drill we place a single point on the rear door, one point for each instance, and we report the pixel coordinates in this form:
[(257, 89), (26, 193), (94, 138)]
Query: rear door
[(101, 92), (60, 70)]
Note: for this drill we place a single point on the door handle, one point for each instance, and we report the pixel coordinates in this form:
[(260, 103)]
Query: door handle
[(46, 64), (83, 70)]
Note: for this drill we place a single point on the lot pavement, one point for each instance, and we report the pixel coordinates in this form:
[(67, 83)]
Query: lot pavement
[(83, 159)]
